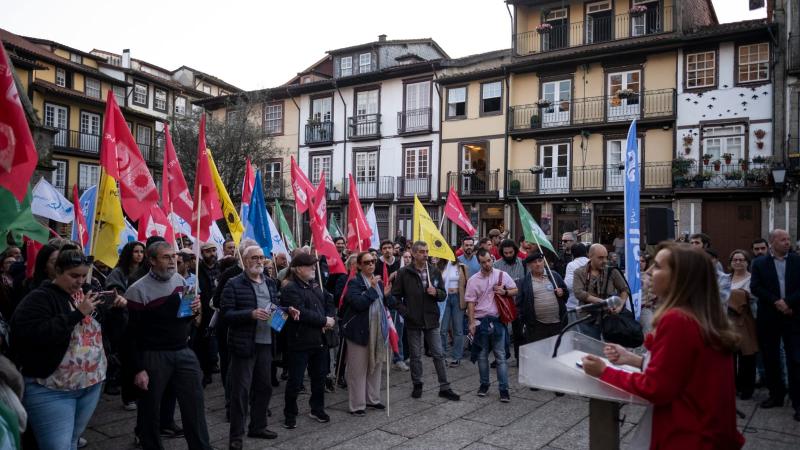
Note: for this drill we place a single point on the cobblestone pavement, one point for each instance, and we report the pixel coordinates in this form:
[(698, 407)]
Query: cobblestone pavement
[(532, 420)]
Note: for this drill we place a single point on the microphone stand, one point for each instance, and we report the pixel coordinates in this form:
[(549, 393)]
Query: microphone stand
[(573, 324)]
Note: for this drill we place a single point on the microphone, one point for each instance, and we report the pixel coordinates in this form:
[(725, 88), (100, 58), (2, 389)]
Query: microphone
[(609, 303)]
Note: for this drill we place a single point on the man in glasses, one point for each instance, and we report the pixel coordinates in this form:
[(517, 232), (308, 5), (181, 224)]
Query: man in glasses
[(565, 255)]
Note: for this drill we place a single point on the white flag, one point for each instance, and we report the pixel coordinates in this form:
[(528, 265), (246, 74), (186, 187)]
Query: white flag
[(48, 202), (375, 239), (278, 246), (128, 234), (217, 238), (181, 226)]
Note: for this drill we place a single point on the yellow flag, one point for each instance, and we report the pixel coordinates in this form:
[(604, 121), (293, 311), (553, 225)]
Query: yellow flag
[(110, 221), (231, 216), (426, 230)]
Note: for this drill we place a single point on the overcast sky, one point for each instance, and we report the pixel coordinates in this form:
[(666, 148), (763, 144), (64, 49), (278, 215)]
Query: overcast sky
[(257, 44)]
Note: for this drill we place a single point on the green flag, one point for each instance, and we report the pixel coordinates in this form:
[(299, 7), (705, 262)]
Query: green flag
[(18, 219), (533, 233), (333, 228), (283, 226)]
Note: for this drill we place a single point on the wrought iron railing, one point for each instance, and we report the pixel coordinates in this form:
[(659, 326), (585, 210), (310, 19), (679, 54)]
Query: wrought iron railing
[(477, 183), (364, 126), (414, 121), (319, 132)]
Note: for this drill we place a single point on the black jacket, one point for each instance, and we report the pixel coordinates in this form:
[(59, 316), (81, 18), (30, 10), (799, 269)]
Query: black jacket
[(238, 303), (420, 310), (314, 306), (207, 283), (524, 300), (40, 330), (359, 298), (764, 286)]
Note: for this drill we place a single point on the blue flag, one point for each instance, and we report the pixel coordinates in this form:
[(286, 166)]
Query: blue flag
[(632, 218), (257, 216), (87, 208)]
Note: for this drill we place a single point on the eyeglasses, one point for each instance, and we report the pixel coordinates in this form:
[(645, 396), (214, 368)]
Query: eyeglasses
[(257, 258), (567, 240), (77, 259), (738, 260), (368, 262)]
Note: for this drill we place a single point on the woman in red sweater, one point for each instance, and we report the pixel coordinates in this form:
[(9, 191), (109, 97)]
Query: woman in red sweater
[(688, 373)]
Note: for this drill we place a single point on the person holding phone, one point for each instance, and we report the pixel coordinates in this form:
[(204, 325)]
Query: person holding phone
[(688, 373)]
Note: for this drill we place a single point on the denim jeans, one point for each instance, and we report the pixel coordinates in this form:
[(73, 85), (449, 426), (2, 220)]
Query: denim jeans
[(58, 418), (496, 340), (400, 326), (453, 316)]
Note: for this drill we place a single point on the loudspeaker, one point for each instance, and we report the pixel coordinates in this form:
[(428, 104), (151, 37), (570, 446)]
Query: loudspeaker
[(660, 225)]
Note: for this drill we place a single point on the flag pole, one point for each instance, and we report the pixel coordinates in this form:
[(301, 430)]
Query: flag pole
[(94, 219), (199, 244), (174, 235), (552, 278), (388, 350)]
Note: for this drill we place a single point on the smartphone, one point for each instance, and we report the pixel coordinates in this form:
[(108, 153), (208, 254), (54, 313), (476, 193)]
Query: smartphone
[(579, 364)]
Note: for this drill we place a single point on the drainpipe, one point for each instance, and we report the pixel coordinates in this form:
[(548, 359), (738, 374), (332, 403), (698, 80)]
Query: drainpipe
[(513, 30), (344, 141), (297, 216), (439, 121), (505, 132)]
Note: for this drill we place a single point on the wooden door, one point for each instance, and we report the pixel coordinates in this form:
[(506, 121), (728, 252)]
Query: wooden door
[(731, 225)]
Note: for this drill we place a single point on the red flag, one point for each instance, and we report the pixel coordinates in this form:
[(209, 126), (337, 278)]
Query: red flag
[(358, 230), (392, 336), (350, 276), (155, 223), (121, 158), (454, 211), (80, 221), (18, 157), (175, 195), (31, 250), (302, 188), (206, 205), (319, 232), (248, 183)]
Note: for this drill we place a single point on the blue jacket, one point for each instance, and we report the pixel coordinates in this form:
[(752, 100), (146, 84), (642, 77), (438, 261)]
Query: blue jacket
[(359, 298), (764, 286), (238, 303), (527, 312)]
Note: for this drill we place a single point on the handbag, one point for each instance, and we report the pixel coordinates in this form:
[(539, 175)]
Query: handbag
[(506, 308), (623, 328)]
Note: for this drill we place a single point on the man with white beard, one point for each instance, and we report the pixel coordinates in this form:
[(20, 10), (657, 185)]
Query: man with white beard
[(247, 305)]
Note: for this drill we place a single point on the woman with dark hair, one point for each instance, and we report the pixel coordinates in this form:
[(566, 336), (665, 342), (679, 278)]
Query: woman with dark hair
[(44, 269), (688, 373), (740, 312), (124, 274), (59, 347)]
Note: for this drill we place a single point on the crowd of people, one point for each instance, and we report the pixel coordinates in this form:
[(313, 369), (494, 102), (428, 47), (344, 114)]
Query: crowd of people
[(159, 326)]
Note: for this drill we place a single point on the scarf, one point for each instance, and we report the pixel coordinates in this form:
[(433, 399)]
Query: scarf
[(378, 331)]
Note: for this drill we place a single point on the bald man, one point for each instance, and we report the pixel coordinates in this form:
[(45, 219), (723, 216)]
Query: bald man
[(595, 282)]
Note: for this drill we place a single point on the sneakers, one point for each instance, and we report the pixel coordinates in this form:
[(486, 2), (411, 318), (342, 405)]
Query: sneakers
[(263, 434), (290, 423), (417, 392), (450, 395), (172, 431), (130, 406), (329, 386), (454, 363), (358, 413), (400, 365), (320, 416), (483, 390), (376, 406), (504, 397), (82, 442)]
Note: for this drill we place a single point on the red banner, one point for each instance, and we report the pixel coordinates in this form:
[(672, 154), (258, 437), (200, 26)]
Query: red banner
[(454, 211), (323, 242), (80, 220), (301, 187), (175, 196), (358, 230), (206, 205)]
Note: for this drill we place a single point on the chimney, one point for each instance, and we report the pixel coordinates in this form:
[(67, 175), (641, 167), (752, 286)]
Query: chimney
[(382, 38), (126, 58)]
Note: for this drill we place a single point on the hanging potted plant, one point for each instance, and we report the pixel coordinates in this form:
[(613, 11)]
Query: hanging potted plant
[(637, 10), (743, 164), (544, 28), (468, 171), (717, 164), (687, 143), (707, 158), (543, 103), (728, 157), (535, 170), (759, 134), (514, 187), (625, 93)]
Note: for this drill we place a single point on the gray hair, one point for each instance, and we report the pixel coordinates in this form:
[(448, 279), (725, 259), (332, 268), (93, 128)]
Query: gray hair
[(250, 249), (247, 242), (418, 245), (157, 247)]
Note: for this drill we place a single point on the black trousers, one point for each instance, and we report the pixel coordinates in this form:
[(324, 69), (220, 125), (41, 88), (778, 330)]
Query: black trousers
[(538, 331), (181, 370), (315, 360), (745, 373), (770, 336), (250, 384)]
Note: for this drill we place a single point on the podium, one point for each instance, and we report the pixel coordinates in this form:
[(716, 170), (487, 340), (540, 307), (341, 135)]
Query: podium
[(539, 369)]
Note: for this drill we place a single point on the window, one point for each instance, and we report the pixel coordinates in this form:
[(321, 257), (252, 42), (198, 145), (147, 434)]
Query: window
[(346, 66), (491, 97), (272, 179), (119, 95), (364, 62), (273, 118), (554, 160), (753, 63), (180, 106), (700, 69), (615, 158), (76, 58), (320, 164), (160, 100), (720, 140), (232, 116), (88, 174), (92, 88), (305, 79), (416, 162), (90, 132), (59, 179), (321, 109), (140, 94), (559, 96), (55, 116), (144, 140), (366, 167), (61, 77), (457, 102), (206, 88)]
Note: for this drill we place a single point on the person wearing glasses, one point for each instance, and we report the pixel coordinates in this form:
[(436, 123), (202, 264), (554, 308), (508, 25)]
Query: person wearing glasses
[(740, 312), (365, 303), (565, 255), (58, 345)]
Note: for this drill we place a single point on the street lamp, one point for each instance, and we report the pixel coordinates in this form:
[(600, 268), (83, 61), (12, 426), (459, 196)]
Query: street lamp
[(779, 176)]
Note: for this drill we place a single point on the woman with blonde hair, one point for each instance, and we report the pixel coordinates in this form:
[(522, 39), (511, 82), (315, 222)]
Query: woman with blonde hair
[(688, 373)]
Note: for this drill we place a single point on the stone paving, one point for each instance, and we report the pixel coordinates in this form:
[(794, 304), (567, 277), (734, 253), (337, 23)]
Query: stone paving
[(532, 420)]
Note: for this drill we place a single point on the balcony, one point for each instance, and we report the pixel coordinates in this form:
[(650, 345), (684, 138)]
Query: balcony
[(478, 184), (594, 31), (408, 187), (375, 189), (77, 140), (652, 104), (273, 187), (319, 133), (753, 174), (793, 55), (415, 121), (584, 179), (793, 152), (363, 127)]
